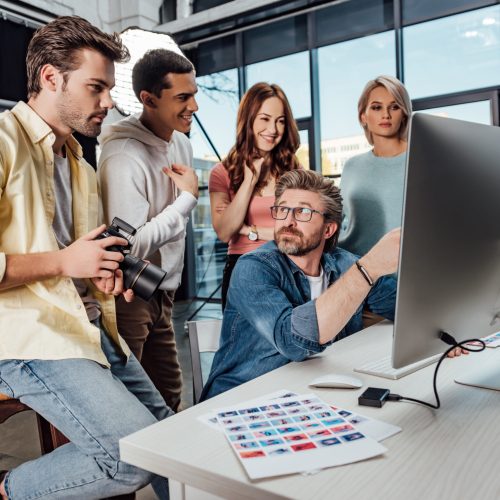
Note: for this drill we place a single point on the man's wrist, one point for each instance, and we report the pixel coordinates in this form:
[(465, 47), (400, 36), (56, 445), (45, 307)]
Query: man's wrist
[(365, 273), (60, 262), (371, 266), (185, 202)]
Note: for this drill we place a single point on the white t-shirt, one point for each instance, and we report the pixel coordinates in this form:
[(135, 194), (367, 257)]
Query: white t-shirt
[(318, 284)]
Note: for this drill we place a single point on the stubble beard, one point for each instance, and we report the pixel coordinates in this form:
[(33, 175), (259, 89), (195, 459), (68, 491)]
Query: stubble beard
[(296, 248), (76, 120)]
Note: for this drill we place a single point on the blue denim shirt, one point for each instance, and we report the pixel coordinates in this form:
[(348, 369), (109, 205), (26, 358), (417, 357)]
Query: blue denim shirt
[(271, 320)]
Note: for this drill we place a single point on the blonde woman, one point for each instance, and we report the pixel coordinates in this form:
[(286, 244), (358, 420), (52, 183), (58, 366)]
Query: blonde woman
[(372, 183), (242, 186)]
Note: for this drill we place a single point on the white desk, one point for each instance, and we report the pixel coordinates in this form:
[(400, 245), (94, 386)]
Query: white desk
[(451, 453)]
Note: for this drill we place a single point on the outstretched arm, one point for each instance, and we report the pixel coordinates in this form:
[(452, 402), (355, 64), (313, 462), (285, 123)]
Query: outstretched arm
[(336, 306)]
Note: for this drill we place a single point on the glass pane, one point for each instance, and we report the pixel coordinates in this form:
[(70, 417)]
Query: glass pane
[(199, 5), (303, 151), (218, 104), (344, 69), (291, 73), (453, 54), (422, 10), (276, 39), (215, 55), (478, 112), (352, 19), (218, 101)]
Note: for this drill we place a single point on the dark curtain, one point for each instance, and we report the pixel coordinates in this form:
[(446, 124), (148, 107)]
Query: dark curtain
[(14, 40)]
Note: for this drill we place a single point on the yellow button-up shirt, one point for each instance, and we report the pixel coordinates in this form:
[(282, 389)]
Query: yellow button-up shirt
[(45, 319)]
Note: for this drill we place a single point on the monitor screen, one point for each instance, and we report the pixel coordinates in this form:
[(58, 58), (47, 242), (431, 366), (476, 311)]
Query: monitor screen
[(449, 269)]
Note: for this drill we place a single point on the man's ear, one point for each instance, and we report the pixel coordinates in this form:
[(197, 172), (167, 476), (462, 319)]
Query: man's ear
[(330, 229), (49, 76), (147, 99)]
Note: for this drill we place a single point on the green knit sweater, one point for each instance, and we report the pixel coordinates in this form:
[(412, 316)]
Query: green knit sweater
[(372, 188)]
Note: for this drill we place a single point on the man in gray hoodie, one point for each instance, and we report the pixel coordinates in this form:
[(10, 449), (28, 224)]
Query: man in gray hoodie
[(146, 179)]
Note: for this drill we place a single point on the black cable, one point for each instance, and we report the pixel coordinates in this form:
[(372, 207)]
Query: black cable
[(445, 337)]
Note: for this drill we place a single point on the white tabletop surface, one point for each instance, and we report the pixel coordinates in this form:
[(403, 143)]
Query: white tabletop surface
[(450, 453)]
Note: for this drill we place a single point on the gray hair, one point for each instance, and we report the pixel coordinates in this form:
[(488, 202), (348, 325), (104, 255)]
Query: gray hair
[(329, 194), (400, 94)]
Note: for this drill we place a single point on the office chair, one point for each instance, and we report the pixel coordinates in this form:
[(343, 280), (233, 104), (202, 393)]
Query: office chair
[(203, 343)]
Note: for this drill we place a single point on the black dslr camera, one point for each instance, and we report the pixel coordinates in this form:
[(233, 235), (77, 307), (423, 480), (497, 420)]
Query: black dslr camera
[(142, 277)]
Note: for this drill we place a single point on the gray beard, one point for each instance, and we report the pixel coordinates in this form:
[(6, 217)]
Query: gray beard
[(297, 249)]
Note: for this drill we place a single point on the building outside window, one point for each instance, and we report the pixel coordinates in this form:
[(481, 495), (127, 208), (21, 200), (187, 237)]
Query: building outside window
[(218, 100)]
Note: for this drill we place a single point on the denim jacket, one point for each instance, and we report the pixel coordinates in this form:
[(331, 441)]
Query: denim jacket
[(271, 320)]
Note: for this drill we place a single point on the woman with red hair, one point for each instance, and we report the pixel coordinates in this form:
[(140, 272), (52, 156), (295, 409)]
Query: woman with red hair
[(242, 186)]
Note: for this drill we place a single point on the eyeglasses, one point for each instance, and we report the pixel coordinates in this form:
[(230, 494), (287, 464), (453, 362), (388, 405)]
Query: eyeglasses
[(300, 214)]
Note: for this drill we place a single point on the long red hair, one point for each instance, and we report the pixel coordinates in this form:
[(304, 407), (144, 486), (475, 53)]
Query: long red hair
[(281, 158)]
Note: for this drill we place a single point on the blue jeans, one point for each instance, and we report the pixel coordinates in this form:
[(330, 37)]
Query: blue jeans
[(94, 407)]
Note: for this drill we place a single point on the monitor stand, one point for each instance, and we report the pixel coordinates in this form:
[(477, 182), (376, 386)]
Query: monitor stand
[(486, 376), (383, 367)]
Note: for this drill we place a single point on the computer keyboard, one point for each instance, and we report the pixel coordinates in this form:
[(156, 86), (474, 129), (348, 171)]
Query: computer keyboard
[(382, 367)]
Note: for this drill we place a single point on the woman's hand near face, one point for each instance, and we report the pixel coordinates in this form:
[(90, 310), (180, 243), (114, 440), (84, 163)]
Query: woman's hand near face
[(253, 175)]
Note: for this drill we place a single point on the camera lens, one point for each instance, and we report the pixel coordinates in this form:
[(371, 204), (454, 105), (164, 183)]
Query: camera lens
[(142, 277)]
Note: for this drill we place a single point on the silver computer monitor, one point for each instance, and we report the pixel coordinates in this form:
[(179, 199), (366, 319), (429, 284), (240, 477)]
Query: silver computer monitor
[(449, 269)]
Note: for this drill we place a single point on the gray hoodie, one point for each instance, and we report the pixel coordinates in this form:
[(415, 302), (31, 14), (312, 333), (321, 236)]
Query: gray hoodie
[(134, 188)]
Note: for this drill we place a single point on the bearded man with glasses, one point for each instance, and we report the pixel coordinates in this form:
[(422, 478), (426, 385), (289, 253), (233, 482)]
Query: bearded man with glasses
[(295, 296)]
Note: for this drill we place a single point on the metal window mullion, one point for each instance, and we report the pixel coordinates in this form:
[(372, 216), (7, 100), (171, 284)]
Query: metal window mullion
[(495, 108), (398, 35), (240, 62), (315, 129)]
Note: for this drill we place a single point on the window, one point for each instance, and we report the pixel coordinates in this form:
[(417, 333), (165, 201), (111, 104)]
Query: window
[(346, 20), (218, 102), (276, 39), (479, 112), (214, 56), (453, 54), (199, 5), (415, 11), (291, 73), (303, 151), (344, 69)]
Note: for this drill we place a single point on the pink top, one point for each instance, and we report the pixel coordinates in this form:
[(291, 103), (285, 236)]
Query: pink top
[(258, 214)]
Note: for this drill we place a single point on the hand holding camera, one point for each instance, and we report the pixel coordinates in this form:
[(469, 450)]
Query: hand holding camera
[(139, 275), (105, 253), (90, 258)]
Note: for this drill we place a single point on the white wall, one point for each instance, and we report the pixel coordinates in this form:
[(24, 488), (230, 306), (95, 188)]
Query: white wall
[(109, 15)]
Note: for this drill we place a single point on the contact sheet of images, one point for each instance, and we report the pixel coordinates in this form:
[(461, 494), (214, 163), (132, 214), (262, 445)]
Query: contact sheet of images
[(492, 340), (297, 434)]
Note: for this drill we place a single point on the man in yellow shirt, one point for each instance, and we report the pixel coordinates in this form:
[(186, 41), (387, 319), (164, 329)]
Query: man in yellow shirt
[(60, 351)]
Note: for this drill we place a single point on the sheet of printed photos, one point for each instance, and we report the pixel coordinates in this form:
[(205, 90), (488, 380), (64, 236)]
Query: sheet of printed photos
[(371, 427), (296, 434), (490, 341)]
